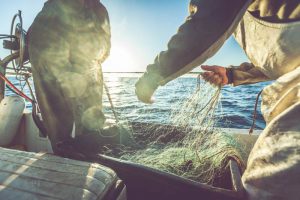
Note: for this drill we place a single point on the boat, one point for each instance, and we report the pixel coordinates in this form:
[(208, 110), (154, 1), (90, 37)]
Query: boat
[(29, 169), (29, 159)]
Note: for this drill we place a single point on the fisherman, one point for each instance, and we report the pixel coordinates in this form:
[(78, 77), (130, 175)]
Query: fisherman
[(68, 41), (269, 33)]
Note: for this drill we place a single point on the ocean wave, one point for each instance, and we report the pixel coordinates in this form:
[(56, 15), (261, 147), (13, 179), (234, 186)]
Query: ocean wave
[(237, 102)]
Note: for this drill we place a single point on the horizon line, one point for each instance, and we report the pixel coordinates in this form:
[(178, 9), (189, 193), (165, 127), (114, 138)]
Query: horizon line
[(144, 72)]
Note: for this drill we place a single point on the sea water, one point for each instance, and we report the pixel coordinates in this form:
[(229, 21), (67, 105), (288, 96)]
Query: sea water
[(237, 102)]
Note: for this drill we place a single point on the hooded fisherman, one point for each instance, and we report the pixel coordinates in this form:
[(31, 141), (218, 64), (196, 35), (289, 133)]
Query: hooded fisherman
[(269, 33), (68, 41)]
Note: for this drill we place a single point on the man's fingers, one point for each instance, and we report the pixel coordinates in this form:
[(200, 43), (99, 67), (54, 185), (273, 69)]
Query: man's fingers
[(212, 78), (216, 80), (206, 67), (222, 78), (213, 68), (207, 75)]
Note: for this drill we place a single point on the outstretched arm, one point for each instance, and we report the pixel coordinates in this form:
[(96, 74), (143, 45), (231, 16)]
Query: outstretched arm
[(210, 23)]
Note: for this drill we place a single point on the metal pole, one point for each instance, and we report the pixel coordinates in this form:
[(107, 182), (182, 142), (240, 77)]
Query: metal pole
[(3, 65), (2, 83)]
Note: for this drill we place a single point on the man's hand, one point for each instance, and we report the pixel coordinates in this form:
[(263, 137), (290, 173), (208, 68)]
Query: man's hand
[(144, 93), (144, 89), (215, 75)]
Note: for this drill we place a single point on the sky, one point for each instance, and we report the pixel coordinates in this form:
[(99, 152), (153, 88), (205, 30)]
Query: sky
[(140, 30)]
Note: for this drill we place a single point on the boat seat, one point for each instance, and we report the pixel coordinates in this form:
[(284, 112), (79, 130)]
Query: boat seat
[(42, 176)]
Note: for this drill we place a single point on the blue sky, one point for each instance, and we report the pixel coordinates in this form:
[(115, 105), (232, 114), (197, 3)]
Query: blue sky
[(140, 30)]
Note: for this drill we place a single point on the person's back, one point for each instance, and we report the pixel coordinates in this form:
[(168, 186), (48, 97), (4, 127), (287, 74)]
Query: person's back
[(68, 41)]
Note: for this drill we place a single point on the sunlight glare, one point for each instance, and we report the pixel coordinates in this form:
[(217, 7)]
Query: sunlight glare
[(121, 59)]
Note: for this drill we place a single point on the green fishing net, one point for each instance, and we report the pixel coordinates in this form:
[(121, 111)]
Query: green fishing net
[(191, 146)]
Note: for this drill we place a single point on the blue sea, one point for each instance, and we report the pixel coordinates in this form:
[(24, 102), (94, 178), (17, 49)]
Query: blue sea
[(237, 102)]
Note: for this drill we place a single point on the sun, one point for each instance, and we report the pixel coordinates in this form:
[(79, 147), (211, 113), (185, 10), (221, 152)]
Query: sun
[(121, 59)]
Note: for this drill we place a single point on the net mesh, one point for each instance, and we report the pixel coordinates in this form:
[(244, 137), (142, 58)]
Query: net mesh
[(191, 146)]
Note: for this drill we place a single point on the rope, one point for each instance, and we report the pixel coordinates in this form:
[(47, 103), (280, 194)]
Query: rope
[(38, 121), (255, 113), (111, 103), (17, 91), (35, 109), (10, 89), (30, 89)]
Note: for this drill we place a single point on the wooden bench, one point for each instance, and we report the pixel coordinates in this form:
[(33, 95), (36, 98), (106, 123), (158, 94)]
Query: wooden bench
[(30, 176)]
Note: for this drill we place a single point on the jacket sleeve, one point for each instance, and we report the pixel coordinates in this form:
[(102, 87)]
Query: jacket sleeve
[(206, 29), (247, 73)]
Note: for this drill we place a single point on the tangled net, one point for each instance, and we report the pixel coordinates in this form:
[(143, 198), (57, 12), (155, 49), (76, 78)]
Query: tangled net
[(191, 146)]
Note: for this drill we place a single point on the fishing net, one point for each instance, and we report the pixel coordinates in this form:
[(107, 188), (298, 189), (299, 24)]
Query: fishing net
[(190, 145)]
